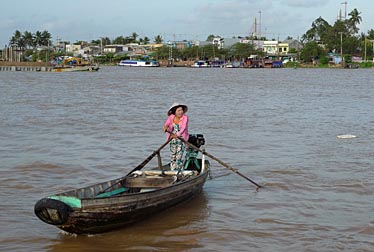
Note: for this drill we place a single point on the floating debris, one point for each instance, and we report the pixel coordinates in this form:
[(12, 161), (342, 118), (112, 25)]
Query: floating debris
[(347, 136)]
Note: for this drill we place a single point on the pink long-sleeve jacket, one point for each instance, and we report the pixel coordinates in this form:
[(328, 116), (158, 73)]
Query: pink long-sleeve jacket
[(183, 126)]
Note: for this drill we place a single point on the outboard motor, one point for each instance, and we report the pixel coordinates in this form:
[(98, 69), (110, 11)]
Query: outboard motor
[(197, 140), (191, 162)]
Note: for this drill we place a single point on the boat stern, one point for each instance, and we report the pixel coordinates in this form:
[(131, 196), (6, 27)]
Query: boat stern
[(52, 211)]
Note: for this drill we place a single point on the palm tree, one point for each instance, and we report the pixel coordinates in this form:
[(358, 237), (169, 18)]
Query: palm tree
[(158, 39), (354, 20), (146, 40), (106, 41), (28, 37), (15, 38), (133, 37), (370, 34), (38, 38), (355, 16), (46, 38), (119, 40)]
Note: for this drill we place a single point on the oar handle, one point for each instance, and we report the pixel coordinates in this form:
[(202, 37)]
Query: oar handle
[(219, 161)]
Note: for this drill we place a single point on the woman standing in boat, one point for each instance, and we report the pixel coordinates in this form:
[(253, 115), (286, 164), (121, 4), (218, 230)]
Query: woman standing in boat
[(176, 126)]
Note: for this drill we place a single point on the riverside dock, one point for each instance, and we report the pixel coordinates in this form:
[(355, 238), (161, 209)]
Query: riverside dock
[(25, 66)]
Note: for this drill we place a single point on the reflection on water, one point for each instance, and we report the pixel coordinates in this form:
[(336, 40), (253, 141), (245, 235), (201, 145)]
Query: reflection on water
[(277, 126)]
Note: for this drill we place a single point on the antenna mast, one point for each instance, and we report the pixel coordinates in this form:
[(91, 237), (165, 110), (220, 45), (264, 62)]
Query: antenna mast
[(259, 32), (345, 9)]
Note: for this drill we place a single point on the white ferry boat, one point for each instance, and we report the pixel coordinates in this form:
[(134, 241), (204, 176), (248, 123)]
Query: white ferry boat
[(139, 63)]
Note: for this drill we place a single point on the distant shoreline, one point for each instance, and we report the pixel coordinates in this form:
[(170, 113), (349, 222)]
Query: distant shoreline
[(164, 63)]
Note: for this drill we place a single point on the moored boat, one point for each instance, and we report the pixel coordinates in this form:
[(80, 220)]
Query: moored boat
[(73, 64), (139, 63), (116, 203), (201, 64), (76, 68)]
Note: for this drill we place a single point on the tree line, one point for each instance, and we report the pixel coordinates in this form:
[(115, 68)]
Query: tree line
[(322, 38), (342, 37), (30, 40)]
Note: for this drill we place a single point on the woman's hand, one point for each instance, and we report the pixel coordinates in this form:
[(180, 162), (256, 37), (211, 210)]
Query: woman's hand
[(165, 128)]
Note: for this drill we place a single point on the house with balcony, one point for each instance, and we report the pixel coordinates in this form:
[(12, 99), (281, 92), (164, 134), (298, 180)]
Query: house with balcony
[(271, 47)]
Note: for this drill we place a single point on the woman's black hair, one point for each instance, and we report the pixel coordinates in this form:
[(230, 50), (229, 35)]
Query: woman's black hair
[(172, 111)]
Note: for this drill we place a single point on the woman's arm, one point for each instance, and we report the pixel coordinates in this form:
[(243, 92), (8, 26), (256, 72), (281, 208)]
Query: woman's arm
[(183, 127)]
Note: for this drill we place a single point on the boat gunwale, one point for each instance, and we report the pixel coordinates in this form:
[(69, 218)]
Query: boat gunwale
[(137, 196)]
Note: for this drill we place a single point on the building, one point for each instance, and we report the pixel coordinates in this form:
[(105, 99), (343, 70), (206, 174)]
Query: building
[(114, 49), (281, 48), (271, 47), (293, 44)]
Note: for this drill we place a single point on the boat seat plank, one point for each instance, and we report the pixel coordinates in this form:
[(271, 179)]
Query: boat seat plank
[(149, 182)]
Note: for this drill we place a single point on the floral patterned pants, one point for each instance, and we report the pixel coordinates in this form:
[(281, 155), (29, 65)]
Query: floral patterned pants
[(176, 154)]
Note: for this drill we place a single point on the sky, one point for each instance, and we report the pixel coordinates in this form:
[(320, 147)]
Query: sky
[(75, 20)]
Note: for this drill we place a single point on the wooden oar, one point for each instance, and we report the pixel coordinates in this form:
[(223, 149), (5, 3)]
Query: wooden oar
[(220, 161), (146, 161)]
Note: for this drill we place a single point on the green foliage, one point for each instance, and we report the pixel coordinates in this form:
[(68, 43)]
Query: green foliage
[(162, 53), (240, 51), (96, 42), (30, 40), (311, 51), (210, 37), (190, 53), (367, 64), (342, 34), (292, 64), (101, 59), (119, 57), (347, 58), (324, 60), (158, 39)]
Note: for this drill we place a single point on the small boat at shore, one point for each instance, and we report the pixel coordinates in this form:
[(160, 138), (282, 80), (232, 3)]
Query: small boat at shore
[(76, 68), (201, 64), (73, 64), (117, 203), (139, 63)]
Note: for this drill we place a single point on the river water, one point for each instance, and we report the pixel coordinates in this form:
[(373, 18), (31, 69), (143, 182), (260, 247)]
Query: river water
[(279, 127)]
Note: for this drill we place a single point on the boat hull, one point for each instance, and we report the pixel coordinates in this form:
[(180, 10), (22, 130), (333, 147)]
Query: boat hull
[(138, 63), (86, 68), (97, 215)]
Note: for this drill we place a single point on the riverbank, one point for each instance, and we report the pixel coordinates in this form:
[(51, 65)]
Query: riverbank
[(26, 66), (47, 67)]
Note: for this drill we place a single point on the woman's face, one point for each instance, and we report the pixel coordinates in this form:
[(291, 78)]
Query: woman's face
[(179, 112)]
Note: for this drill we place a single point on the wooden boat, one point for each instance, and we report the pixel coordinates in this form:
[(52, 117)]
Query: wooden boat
[(73, 64), (116, 203), (76, 68)]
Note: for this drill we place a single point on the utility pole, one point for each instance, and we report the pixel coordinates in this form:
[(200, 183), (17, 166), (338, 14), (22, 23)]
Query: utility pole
[(341, 46), (101, 46), (255, 28), (170, 61), (365, 47)]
